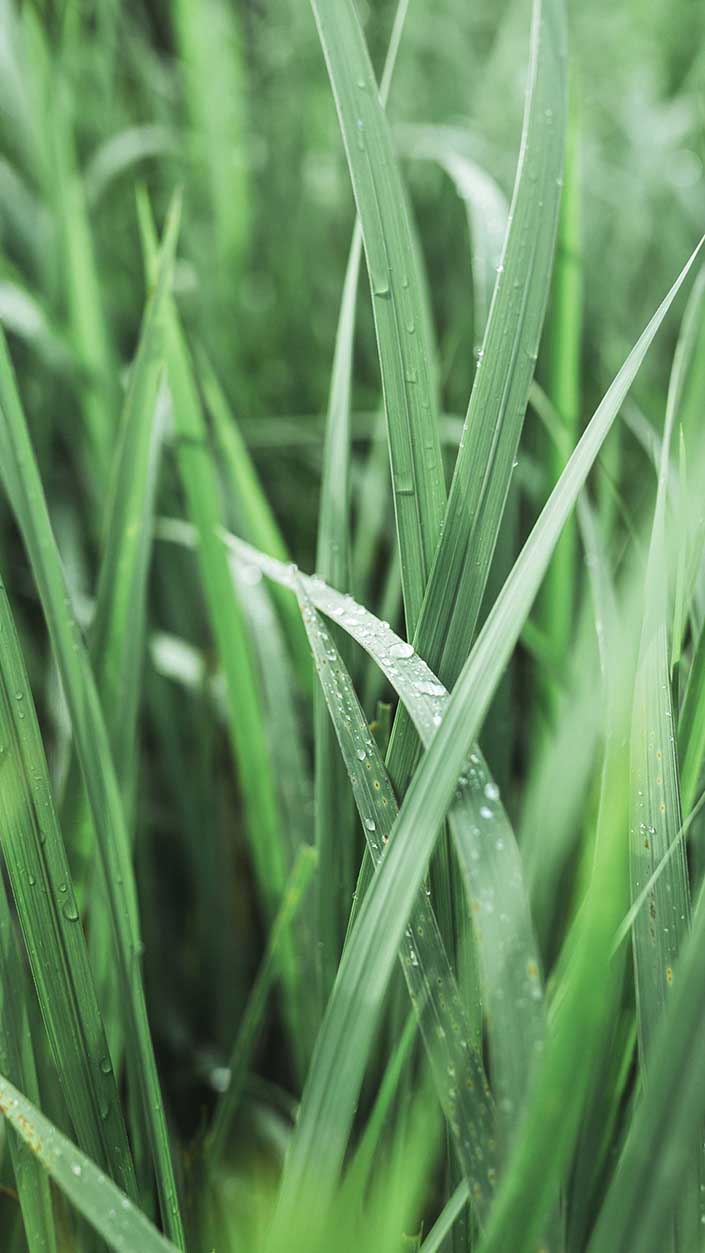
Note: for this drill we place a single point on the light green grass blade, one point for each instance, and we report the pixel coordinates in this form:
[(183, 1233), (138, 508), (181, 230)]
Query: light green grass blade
[(243, 690), (17, 1060), (444, 1223), (116, 639), (691, 727), (334, 1077), (253, 1015), (335, 835), (639, 1208), (660, 927), (403, 333), (93, 1194), (484, 844), (556, 604), (41, 885), (24, 488), (257, 521), (456, 1066)]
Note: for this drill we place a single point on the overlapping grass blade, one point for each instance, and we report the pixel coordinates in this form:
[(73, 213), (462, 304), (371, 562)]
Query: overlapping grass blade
[(334, 829), (24, 488), (484, 844), (661, 926), (94, 1195), (639, 1208), (247, 732), (403, 332), (18, 1062), (41, 885), (456, 1066), (336, 1070), (256, 519), (493, 424)]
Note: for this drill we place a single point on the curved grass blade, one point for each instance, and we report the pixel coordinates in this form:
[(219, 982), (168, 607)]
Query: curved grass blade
[(94, 1195), (455, 1064), (17, 1061), (41, 886), (483, 839), (403, 331), (24, 488), (334, 1077)]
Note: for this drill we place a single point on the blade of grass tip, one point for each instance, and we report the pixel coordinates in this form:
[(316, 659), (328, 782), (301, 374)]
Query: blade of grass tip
[(499, 396), (17, 1061), (455, 1064), (252, 1019), (256, 519), (332, 1086), (121, 1224), (247, 732), (557, 599), (24, 488), (41, 886), (660, 929), (403, 331), (333, 821), (483, 841)]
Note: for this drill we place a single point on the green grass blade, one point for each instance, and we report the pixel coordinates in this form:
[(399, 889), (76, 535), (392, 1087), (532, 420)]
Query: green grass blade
[(41, 885), (484, 844), (93, 1194), (18, 1062), (456, 1066), (24, 488), (326, 1109), (444, 1223), (247, 731), (334, 829), (403, 333), (691, 727), (256, 519), (639, 1208), (252, 1018)]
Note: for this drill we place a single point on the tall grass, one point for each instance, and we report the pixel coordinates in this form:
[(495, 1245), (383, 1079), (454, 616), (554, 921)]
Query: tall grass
[(351, 749)]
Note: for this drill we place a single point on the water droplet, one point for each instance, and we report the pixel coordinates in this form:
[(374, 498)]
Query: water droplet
[(401, 651), (370, 824)]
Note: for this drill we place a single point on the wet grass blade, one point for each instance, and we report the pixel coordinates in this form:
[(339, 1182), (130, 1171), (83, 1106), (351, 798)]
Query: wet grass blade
[(94, 1195), (326, 1110), (455, 1064), (24, 488), (406, 355), (18, 1062), (41, 886), (484, 844), (335, 838)]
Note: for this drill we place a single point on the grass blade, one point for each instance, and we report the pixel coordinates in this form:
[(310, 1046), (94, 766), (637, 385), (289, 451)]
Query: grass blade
[(94, 1195), (41, 885), (17, 1061), (24, 488), (403, 332), (456, 1066)]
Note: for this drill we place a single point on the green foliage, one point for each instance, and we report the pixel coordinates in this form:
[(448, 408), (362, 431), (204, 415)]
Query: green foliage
[(359, 908)]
